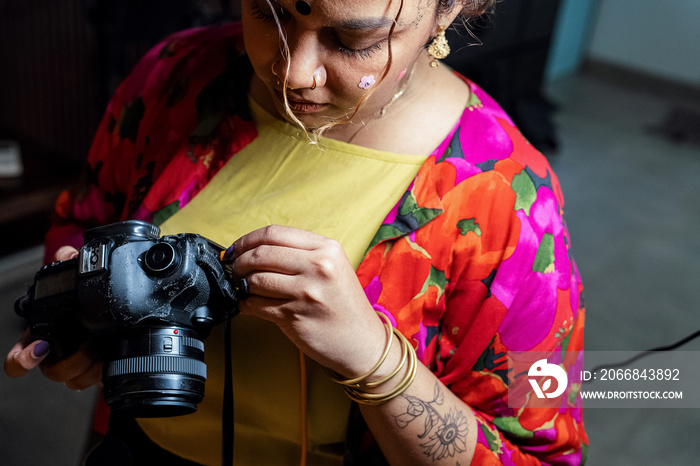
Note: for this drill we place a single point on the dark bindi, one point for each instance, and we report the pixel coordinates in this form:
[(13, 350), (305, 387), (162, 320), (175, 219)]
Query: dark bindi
[(303, 8)]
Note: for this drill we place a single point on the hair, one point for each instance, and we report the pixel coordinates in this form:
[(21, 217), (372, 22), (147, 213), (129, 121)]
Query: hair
[(471, 9)]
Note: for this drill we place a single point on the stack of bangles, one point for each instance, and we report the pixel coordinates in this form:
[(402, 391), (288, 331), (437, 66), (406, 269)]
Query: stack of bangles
[(356, 388)]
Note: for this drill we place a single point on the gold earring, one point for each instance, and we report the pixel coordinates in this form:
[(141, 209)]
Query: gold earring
[(439, 48)]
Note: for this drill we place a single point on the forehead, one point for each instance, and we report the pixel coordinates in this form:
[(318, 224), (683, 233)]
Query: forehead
[(359, 14)]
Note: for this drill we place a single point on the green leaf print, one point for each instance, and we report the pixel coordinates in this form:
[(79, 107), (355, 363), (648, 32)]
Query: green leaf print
[(525, 191), (544, 260)]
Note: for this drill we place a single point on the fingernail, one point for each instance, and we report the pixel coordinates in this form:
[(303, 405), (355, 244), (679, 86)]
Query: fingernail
[(41, 349), (74, 255), (229, 252)]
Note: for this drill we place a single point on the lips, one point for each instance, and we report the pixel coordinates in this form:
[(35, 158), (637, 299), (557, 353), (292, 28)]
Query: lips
[(299, 105)]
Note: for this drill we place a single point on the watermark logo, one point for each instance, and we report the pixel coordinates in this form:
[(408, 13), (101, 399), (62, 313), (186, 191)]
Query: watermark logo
[(541, 369), (603, 379)]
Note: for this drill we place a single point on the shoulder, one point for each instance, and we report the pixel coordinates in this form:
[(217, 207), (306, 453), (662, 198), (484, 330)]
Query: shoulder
[(184, 53), (173, 122), (485, 143), (186, 84), (192, 73)]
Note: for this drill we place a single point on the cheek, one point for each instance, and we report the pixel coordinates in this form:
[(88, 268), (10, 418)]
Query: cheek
[(261, 45), (346, 81), (353, 78)]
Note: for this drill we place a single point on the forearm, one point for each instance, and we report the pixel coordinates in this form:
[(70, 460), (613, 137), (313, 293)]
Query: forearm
[(425, 424)]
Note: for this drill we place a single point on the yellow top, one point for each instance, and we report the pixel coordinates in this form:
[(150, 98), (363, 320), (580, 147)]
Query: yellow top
[(335, 189)]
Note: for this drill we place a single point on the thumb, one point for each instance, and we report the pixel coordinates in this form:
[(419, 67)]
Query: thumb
[(21, 360)]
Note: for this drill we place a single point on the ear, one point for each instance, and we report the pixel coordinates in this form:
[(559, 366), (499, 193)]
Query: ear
[(447, 17)]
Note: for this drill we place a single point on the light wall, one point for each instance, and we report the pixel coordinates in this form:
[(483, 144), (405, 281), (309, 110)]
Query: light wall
[(572, 33), (655, 37)]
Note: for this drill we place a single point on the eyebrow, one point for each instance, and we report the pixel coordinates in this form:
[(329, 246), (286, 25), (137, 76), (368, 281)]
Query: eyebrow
[(365, 23), (356, 23)]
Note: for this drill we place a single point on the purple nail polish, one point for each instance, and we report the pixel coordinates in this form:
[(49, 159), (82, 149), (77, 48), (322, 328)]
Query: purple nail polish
[(229, 252), (41, 349)]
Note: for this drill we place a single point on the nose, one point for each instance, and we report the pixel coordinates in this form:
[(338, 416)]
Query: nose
[(303, 68)]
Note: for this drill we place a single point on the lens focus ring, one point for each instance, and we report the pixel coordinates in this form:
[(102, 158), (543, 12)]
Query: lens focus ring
[(157, 364)]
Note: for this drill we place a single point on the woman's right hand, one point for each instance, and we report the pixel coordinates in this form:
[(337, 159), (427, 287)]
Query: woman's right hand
[(78, 371)]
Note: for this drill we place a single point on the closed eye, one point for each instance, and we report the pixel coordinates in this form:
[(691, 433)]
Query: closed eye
[(265, 14), (360, 53)]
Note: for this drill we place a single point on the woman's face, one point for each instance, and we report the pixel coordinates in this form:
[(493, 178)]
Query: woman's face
[(341, 45)]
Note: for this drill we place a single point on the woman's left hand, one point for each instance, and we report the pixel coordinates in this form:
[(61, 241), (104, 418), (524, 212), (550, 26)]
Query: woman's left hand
[(304, 283)]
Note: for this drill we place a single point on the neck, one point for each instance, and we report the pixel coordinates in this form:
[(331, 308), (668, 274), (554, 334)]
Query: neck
[(419, 120), (399, 102)]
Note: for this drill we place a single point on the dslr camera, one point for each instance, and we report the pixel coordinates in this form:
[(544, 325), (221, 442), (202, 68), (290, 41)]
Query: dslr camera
[(147, 302)]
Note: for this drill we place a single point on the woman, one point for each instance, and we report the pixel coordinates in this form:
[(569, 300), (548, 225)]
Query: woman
[(366, 184)]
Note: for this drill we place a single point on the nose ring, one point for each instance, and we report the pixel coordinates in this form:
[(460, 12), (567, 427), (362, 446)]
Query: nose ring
[(274, 73)]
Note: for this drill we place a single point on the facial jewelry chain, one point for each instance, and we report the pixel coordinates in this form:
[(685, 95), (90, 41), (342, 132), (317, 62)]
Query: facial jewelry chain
[(380, 113)]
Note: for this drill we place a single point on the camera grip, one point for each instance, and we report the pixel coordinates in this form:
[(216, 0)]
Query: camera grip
[(60, 327)]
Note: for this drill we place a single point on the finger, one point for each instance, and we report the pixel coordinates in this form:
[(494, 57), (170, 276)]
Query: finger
[(73, 366), (273, 285), (278, 235), (65, 253), (270, 309), (265, 258), (90, 377), (21, 359)]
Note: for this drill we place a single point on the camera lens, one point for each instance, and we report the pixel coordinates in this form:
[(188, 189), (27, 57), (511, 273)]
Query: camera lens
[(156, 372)]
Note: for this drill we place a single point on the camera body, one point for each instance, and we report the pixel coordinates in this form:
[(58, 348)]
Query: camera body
[(147, 302)]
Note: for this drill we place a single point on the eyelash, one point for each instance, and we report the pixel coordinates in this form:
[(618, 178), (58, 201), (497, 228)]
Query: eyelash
[(259, 14), (367, 52), (359, 53)]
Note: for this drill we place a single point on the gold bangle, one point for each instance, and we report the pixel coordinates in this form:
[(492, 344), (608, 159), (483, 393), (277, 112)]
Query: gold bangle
[(356, 380), (374, 399), (404, 355)]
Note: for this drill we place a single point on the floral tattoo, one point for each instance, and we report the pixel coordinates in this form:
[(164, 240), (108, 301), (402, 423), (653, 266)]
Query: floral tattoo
[(446, 435)]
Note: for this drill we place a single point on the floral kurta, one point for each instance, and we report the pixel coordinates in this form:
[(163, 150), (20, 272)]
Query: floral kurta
[(473, 262)]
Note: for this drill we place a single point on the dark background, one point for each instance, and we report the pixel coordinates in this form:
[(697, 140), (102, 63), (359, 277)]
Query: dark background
[(61, 61)]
